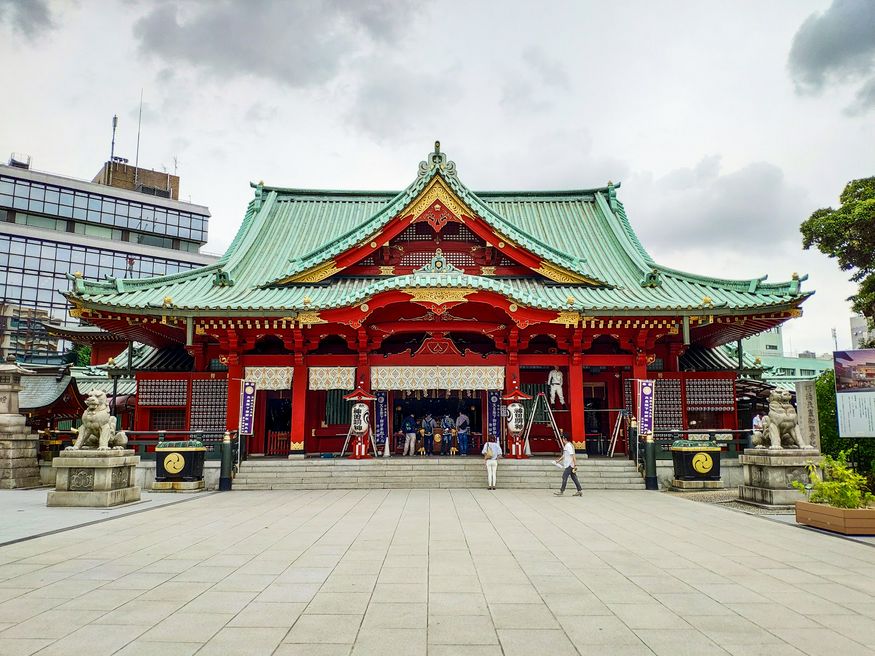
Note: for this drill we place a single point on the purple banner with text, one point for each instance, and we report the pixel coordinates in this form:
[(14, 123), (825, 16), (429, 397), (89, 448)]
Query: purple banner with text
[(247, 408), (645, 406)]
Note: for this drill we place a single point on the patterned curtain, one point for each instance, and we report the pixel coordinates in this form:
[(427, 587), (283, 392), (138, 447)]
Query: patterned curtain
[(270, 378), (332, 378), (429, 378)]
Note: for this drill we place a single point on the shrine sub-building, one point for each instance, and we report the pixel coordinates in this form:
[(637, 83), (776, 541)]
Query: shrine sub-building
[(435, 299)]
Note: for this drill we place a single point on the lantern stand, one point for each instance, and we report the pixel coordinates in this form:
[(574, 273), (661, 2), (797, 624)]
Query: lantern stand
[(516, 447), (360, 425)]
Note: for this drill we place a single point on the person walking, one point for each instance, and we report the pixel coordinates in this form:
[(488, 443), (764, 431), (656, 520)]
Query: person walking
[(409, 428), (569, 467), (491, 452)]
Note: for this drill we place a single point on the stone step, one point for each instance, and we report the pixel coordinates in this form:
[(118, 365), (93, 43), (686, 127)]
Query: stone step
[(428, 473)]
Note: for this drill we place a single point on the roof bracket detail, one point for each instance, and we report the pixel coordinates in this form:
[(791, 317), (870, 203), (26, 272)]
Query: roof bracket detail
[(651, 279), (222, 279)]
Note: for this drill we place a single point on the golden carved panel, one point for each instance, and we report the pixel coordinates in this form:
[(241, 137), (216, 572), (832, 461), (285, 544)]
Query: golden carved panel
[(559, 274), (567, 319), (437, 190), (437, 296), (317, 273), (309, 318)]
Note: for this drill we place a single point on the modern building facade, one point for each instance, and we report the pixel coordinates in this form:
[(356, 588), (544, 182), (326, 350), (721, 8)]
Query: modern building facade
[(861, 332), (769, 342), (52, 225), (438, 300)]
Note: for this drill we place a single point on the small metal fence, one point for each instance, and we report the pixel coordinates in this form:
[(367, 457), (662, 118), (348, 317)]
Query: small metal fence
[(52, 442), (732, 442)]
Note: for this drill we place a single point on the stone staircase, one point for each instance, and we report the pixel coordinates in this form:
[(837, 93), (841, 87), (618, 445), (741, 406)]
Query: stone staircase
[(416, 472)]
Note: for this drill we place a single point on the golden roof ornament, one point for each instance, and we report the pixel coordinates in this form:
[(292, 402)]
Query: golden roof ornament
[(168, 301), (706, 300)]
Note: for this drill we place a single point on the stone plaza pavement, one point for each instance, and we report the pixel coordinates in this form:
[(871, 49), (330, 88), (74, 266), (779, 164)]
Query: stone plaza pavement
[(437, 572)]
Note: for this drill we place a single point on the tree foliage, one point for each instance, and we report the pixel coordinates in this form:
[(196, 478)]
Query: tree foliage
[(80, 356), (848, 234)]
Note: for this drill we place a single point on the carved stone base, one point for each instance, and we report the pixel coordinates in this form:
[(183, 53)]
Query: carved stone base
[(18, 451), (94, 479), (768, 474)]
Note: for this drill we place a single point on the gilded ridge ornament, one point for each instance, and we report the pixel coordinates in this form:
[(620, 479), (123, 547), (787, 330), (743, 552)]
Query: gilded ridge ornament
[(317, 273), (567, 319), (437, 191), (559, 274), (309, 318), (437, 296)]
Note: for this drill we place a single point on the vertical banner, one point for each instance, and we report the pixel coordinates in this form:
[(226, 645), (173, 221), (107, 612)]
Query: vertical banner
[(493, 425), (247, 407), (645, 406), (381, 430), (855, 392)]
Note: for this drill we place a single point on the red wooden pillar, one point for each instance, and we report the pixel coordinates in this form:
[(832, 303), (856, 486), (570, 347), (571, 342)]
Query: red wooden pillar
[(639, 367), (675, 351), (575, 402), (299, 410)]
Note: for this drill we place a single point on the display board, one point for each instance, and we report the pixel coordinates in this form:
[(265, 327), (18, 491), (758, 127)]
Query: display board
[(855, 392)]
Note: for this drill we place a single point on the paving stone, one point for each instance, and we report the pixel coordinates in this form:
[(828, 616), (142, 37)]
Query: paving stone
[(457, 571)]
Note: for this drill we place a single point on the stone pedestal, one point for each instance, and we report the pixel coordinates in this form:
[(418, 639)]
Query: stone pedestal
[(18, 446), (178, 486), (18, 450), (768, 474), (695, 486), (94, 479)]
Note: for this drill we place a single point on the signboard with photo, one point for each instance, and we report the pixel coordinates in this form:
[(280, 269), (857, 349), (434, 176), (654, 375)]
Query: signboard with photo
[(855, 392)]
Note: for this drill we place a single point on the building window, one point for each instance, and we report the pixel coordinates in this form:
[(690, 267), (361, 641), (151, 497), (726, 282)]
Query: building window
[(782, 371), (167, 419), (771, 347), (807, 372)]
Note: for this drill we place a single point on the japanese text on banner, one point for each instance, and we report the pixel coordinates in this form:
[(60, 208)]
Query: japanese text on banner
[(645, 406), (247, 408)]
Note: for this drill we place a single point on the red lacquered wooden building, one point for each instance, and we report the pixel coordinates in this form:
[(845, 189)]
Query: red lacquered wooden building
[(436, 299)]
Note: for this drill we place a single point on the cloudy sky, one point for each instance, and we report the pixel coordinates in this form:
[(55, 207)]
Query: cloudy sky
[(727, 123)]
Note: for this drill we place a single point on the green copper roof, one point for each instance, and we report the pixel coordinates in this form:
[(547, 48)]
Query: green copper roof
[(288, 231)]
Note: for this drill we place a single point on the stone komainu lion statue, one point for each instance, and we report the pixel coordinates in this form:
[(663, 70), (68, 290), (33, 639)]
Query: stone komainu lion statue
[(98, 426), (780, 426)]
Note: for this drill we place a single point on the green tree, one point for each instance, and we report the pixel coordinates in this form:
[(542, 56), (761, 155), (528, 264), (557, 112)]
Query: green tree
[(861, 451), (80, 356), (848, 234)]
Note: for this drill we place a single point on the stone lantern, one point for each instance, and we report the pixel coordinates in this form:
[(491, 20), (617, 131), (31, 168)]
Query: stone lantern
[(18, 445)]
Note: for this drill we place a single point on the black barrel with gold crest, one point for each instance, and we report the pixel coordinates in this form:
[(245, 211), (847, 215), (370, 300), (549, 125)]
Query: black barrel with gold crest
[(696, 460), (179, 461)]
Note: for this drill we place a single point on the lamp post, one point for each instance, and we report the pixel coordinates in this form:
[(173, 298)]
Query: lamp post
[(114, 372)]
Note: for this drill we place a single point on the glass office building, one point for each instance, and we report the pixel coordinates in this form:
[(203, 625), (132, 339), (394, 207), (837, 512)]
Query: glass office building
[(52, 225)]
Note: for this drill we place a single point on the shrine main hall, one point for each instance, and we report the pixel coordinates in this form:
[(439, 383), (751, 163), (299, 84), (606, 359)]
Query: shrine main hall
[(436, 299)]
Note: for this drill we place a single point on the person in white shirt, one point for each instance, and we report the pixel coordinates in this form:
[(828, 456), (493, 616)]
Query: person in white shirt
[(491, 452), (758, 421), (569, 467), (554, 382)]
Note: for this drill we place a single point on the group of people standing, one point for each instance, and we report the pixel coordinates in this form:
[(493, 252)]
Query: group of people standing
[(452, 432)]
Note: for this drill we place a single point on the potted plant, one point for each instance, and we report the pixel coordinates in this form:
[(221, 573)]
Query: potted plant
[(837, 502)]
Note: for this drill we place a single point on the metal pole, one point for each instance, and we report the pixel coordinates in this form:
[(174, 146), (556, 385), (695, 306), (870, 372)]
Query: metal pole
[(225, 473), (114, 397), (650, 480)]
